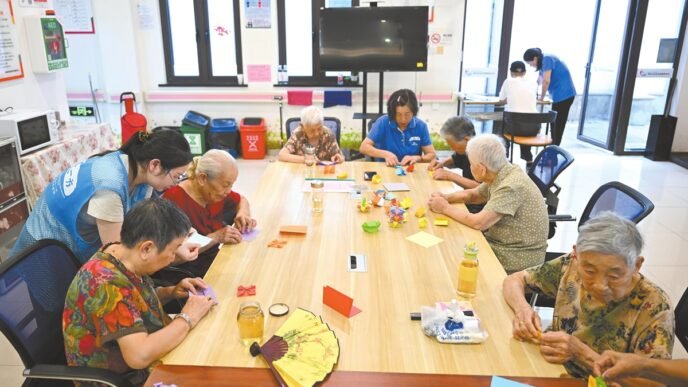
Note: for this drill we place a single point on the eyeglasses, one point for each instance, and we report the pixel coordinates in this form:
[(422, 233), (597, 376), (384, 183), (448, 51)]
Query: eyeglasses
[(176, 180)]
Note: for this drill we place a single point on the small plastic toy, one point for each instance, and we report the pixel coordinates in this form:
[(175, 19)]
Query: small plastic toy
[(422, 222), (411, 168), (371, 226), (420, 212), (376, 179), (406, 203), (342, 175), (329, 169), (400, 171), (364, 205)]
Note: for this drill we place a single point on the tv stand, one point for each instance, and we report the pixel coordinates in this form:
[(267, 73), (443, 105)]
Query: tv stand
[(364, 115)]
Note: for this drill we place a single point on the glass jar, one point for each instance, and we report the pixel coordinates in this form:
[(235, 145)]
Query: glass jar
[(309, 159), (251, 321), (317, 193), (468, 271)]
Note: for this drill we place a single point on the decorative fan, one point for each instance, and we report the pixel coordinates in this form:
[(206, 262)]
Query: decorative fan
[(302, 352)]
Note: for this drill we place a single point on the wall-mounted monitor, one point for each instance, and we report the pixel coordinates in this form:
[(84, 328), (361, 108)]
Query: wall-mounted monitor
[(373, 39)]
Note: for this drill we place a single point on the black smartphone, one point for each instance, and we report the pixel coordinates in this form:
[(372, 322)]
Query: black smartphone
[(352, 263), (368, 175)]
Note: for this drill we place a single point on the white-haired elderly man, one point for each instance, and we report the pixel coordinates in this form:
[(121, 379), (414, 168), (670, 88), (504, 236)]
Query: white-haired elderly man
[(514, 219), (602, 300), (313, 132)]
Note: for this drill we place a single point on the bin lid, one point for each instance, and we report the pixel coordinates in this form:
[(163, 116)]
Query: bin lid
[(252, 121), (195, 118), (223, 125)]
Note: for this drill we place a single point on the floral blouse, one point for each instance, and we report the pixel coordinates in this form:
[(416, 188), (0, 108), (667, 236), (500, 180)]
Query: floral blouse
[(105, 302), (326, 148), (643, 323)]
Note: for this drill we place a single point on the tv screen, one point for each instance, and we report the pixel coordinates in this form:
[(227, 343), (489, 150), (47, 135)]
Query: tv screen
[(373, 39)]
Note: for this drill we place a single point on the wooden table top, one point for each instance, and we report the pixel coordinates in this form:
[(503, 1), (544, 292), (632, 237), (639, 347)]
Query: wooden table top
[(401, 277), (253, 377)]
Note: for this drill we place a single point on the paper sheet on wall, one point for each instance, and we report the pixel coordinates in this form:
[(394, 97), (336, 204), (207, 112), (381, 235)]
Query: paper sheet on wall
[(259, 73), (34, 3), (146, 13), (258, 13), (76, 16), (10, 60)]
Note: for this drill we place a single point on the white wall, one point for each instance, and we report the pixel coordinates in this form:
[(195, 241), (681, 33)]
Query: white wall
[(33, 91), (680, 103)]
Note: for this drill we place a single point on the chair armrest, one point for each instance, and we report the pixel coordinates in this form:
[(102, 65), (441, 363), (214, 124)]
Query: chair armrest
[(561, 218), (86, 374)]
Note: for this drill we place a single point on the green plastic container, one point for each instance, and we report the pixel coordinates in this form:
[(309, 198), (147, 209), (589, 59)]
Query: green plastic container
[(195, 130)]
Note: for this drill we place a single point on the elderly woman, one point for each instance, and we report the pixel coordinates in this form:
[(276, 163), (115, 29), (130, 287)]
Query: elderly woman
[(216, 211), (456, 131), (514, 219), (602, 300), (399, 137), (113, 316), (313, 132)]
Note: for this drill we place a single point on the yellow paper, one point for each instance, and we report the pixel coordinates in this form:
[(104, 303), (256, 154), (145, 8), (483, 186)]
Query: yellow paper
[(424, 239), (441, 222)]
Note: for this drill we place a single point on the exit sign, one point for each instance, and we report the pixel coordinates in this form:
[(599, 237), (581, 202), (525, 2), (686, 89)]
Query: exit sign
[(81, 111)]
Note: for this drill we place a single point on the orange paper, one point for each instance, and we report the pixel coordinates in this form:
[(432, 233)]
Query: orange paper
[(339, 302), (293, 229), (329, 170)]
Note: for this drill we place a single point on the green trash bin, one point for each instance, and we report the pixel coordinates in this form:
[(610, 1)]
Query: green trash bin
[(195, 130)]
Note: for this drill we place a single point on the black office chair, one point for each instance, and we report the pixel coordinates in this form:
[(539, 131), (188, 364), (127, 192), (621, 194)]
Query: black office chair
[(334, 124), (547, 166), (524, 129), (681, 313), (613, 196), (33, 287)]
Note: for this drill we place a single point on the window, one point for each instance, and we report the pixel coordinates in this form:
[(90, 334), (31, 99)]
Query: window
[(202, 42), (298, 41)]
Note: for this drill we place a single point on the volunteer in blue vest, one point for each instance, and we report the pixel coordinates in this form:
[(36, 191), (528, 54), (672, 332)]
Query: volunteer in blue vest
[(399, 137), (555, 78), (84, 206)]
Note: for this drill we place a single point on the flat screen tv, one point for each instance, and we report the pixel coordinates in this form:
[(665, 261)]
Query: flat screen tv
[(373, 39)]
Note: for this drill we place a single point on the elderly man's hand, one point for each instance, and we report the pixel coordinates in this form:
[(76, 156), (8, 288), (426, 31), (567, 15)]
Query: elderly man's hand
[(558, 347), (186, 285), (438, 203), (527, 325), (188, 251), (391, 159), (441, 174)]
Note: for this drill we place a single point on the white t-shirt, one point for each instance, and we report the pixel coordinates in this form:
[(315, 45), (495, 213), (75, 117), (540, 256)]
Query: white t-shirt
[(520, 95)]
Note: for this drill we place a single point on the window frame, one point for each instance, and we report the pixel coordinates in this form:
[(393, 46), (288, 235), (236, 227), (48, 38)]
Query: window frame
[(319, 78), (204, 77)]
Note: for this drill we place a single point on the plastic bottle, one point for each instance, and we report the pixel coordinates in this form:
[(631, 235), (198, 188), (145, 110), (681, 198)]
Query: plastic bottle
[(317, 191), (468, 271)]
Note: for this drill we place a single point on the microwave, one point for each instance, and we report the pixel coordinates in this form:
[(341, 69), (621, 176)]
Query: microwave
[(32, 129)]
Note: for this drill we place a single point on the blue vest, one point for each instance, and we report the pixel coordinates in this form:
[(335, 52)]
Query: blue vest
[(57, 210)]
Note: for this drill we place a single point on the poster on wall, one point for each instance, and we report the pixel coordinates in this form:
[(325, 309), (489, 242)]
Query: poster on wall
[(257, 13), (10, 59), (34, 3), (76, 16)]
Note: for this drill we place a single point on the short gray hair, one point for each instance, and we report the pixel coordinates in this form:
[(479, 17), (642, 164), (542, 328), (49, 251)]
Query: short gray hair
[(610, 234), (488, 150), (311, 116), (458, 127), (212, 163)]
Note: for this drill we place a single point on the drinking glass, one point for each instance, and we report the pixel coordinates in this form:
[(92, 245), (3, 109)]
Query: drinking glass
[(251, 321)]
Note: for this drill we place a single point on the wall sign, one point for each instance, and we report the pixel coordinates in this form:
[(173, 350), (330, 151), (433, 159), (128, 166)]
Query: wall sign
[(76, 16), (257, 13), (10, 60)]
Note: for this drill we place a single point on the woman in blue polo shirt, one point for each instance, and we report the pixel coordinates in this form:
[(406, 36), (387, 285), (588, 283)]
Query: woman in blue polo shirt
[(399, 137), (556, 78)]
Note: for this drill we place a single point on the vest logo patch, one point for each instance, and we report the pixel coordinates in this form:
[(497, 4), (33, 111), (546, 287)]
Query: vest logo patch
[(414, 138), (70, 180)]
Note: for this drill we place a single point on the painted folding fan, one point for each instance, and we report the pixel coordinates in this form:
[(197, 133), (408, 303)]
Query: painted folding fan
[(302, 352)]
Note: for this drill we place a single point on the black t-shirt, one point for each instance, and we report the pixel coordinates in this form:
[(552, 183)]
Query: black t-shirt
[(461, 161)]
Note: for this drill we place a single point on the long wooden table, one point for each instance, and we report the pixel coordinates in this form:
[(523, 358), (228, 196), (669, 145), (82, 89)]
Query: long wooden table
[(401, 277)]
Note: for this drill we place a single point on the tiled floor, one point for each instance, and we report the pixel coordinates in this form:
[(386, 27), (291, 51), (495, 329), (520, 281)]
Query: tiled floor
[(665, 230)]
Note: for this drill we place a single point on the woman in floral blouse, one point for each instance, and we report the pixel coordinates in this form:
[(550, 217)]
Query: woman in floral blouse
[(602, 300), (311, 131), (113, 316)]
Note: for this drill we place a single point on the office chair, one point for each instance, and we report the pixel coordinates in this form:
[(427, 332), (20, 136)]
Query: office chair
[(334, 124), (613, 196), (681, 314), (33, 287), (514, 124), (547, 166)]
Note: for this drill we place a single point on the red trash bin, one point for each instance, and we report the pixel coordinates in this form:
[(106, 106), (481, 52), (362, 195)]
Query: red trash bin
[(253, 140)]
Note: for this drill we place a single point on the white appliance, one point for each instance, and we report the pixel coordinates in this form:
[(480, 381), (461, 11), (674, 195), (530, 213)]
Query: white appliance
[(32, 129)]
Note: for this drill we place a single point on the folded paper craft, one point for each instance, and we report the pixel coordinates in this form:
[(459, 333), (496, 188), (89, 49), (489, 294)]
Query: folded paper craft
[(294, 229), (441, 222), (339, 302), (243, 291), (207, 292), (277, 243)]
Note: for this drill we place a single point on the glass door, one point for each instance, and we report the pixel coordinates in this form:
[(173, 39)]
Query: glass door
[(655, 67), (598, 96)]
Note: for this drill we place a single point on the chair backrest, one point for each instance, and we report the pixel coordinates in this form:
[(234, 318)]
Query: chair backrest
[(514, 121), (33, 287), (681, 314), (548, 165), (619, 199), (333, 123)]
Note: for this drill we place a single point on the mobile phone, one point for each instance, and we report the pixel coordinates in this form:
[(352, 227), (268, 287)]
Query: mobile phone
[(356, 263), (352, 261), (368, 175)]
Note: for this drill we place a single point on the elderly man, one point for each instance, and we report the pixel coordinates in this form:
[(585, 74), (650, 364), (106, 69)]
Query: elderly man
[(457, 131), (602, 300), (514, 219)]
